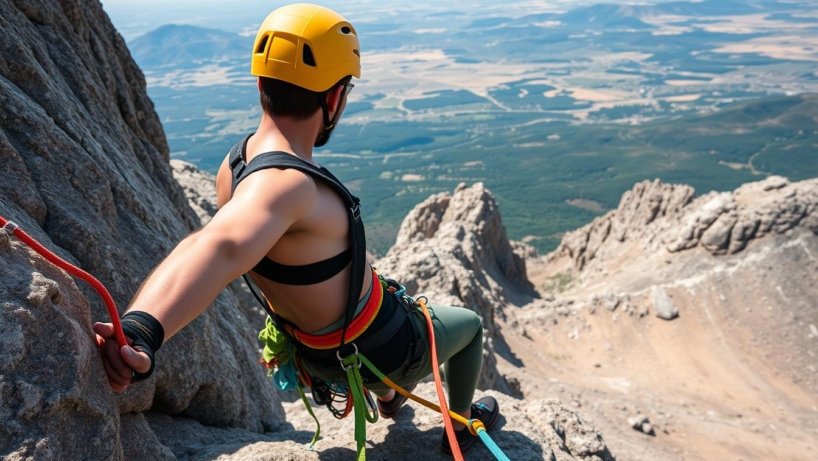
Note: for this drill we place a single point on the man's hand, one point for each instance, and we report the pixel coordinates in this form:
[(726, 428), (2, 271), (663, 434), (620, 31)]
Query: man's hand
[(120, 362)]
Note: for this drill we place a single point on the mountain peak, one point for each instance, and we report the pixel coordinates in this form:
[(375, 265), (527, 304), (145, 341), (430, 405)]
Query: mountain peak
[(184, 46)]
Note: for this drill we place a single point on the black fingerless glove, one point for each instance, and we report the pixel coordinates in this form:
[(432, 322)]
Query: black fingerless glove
[(147, 335)]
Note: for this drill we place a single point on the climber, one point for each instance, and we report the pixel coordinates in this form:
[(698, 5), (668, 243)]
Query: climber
[(296, 230)]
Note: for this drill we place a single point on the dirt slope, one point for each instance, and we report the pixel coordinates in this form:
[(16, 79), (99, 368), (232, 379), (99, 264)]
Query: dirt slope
[(734, 376)]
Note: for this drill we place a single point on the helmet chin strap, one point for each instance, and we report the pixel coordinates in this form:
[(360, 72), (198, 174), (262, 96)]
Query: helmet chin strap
[(329, 125)]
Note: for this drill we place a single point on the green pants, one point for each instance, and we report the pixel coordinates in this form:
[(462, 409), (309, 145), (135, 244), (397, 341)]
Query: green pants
[(459, 339)]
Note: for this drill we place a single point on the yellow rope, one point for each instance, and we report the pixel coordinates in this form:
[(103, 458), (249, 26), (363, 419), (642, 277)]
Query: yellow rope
[(432, 406)]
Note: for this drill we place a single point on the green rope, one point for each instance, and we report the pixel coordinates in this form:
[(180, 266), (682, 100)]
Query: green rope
[(309, 410), (372, 368), (352, 366)]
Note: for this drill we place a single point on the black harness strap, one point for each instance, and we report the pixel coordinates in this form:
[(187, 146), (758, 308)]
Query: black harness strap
[(241, 170), (307, 274)]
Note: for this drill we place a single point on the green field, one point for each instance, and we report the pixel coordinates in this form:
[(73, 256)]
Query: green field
[(544, 175)]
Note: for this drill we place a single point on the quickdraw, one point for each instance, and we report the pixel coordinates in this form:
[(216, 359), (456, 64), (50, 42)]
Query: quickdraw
[(361, 399)]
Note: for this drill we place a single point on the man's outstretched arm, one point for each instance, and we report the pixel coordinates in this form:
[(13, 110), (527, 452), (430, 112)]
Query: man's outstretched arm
[(263, 207)]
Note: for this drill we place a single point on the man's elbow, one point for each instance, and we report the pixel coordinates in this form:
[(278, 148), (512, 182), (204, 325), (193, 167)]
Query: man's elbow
[(225, 253)]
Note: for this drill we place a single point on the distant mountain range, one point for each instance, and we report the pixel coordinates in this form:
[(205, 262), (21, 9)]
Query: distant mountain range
[(608, 16), (176, 46), (619, 14), (611, 16)]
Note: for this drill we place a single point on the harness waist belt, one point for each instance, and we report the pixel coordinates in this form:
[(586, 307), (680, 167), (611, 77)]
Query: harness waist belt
[(329, 342)]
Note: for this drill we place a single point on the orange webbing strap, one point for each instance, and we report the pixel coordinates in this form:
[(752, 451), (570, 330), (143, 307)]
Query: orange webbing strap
[(444, 409)]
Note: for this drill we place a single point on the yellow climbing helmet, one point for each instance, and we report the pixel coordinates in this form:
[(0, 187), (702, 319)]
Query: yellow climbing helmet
[(307, 45)]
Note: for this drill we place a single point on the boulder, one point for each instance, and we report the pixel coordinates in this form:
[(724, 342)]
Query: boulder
[(662, 304), (642, 424)]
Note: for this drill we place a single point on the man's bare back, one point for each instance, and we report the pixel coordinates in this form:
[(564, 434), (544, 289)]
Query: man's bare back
[(321, 233)]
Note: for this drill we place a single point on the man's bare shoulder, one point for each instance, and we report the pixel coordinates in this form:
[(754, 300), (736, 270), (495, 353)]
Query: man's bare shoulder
[(277, 188)]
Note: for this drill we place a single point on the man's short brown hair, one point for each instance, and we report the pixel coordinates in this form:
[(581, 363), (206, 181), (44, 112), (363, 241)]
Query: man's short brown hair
[(285, 99)]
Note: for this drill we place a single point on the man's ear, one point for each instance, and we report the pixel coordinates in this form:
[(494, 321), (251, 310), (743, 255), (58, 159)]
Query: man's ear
[(258, 84), (334, 98)]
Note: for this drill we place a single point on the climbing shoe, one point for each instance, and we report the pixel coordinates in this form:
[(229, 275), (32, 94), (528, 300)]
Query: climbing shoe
[(487, 410), (391, 408)]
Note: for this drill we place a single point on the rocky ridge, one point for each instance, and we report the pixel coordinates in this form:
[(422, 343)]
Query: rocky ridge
[(657, 215), (634, 257), (453, 249)]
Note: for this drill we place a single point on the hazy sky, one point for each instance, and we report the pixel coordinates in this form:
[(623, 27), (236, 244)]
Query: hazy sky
[(134, 18)]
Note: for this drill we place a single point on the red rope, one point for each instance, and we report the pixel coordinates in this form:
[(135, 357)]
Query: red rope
[(444, 409), (73, 270)]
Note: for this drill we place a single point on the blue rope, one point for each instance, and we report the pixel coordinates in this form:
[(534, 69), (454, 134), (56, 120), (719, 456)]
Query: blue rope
[(493, 448)]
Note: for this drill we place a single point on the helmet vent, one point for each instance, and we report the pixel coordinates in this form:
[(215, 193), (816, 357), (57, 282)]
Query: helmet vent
[(357, 53), (262, 44), (307, 56), (346, 30)]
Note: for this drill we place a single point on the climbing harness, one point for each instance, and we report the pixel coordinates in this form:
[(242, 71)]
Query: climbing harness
[(352, 364), (240, 170), (12, 228), (357, 397)]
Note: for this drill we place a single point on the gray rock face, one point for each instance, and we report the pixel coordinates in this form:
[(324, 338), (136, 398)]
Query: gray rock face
[(54, 397), (536, 429), (199, 187), (139, 441), (84, 169), (453, 249)]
